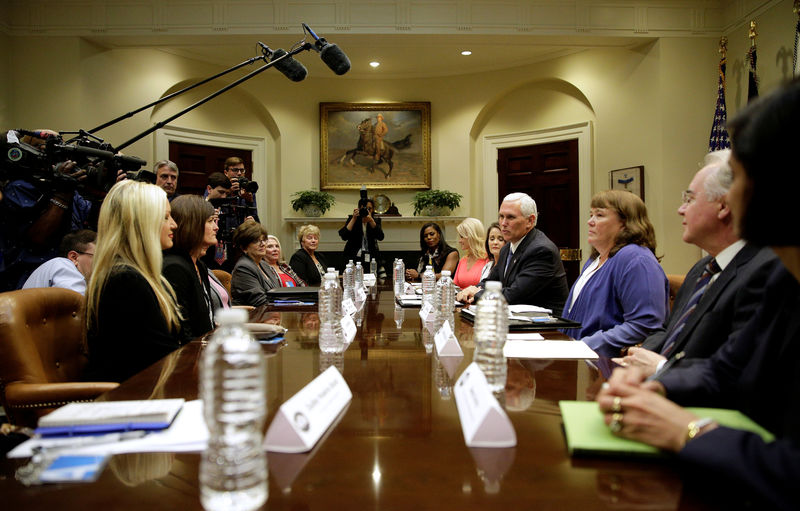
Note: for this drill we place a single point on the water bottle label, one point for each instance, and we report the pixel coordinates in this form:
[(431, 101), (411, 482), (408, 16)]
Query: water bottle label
[(303, 419), (348, 307), (483, 421), (446, 342), (348, 328)]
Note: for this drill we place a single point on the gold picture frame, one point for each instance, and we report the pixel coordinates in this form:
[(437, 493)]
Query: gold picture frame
[(347, 145)]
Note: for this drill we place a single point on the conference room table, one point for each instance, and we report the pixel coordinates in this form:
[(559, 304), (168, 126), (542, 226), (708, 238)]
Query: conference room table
[(399, 444)]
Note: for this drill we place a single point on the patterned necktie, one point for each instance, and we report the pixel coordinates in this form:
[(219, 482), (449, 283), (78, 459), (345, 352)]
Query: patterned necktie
[(699, 289), (508, 263)]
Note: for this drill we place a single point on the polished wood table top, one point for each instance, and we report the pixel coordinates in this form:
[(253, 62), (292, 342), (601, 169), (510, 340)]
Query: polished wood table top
[(399, 444)]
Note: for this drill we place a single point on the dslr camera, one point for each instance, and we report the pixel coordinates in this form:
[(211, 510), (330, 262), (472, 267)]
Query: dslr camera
[(247, 185), (362, 202)]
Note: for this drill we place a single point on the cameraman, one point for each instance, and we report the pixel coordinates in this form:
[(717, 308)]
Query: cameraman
[(231, 215), (362, 232), (234, 170), (37, 214)]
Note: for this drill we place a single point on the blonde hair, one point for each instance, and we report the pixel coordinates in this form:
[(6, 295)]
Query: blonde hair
[(472, 229), (306, 230), (280, 249), (129, 235)]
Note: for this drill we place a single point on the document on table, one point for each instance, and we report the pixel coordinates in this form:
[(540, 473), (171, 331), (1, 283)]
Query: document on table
[(564, 350), (187, 433)]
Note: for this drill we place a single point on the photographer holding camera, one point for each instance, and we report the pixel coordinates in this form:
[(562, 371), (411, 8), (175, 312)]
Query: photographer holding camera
[(38, 213), (362, 232), (242, 188)]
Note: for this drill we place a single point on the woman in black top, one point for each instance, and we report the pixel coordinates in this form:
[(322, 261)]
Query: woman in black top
[(435, 251), (309, 264), (132, 314), (362, 234), (183, 269)]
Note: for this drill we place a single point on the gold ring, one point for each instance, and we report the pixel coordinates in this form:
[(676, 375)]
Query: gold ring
[(616, 423), (617, 406)]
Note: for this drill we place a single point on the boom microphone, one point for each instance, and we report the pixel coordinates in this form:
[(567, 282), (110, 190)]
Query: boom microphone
[(292, 69), (330, 54)]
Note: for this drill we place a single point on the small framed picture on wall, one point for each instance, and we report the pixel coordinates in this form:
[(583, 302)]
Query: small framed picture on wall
[(629, 178)]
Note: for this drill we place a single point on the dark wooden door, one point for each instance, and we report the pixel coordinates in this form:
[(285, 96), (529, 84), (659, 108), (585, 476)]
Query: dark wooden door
[(195, 162), (549, 174)]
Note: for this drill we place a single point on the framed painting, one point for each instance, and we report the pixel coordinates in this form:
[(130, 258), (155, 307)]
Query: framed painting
[(380, 145), (630, 179)]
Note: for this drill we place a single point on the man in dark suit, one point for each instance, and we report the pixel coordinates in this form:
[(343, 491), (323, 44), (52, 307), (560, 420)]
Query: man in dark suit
[(529, 265), (700, 324)]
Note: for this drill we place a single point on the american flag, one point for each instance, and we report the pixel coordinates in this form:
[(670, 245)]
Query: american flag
[(719, 134), (795, 64), (752, 82)]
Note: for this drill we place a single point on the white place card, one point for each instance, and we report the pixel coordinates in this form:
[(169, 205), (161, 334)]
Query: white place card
[(558, 350), (446, 343), (303, 419), (425, 312), (348, 307), (524, 336), (348, 328), (483, 421), (450, 364), (370, 279), (361, 295)]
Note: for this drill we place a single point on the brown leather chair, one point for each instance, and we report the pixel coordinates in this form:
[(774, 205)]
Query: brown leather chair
[(42, 353), (225, 278), (675, 283)]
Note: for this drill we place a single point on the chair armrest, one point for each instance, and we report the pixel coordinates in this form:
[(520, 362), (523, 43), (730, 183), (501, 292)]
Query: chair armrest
[(48, 395)]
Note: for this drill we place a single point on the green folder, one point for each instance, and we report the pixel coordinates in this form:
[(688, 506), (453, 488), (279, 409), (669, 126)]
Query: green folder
[(587, 433)]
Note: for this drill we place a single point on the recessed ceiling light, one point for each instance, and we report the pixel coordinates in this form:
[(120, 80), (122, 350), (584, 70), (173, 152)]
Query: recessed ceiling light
[(466, 52), (374, 63)]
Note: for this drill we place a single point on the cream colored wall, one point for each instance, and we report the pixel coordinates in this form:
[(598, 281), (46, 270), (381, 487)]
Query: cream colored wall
[(651, 105)]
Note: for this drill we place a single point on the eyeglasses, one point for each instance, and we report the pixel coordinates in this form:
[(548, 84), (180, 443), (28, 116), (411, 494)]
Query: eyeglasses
[(687, 197), (261, 241)]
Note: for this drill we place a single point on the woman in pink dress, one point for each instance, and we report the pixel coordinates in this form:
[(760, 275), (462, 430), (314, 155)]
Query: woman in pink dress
[(471, 238)]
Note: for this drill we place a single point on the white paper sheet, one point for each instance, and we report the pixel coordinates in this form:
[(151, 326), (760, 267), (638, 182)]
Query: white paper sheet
[(566, 350)]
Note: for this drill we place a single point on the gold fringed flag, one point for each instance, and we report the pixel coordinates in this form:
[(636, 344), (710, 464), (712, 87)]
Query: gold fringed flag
[(719, 134), (795, 65), (752, 82)]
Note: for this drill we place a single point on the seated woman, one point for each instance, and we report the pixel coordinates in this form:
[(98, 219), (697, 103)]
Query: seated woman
[(622, 293), (757, 371), (306, 262), (494, 242), (250, 277), (435, 251), (132, 314), (471, 238), (183, 269), (280, 274)]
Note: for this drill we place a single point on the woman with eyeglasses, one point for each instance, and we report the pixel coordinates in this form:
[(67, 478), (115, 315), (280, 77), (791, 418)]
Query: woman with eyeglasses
[(250, 279)]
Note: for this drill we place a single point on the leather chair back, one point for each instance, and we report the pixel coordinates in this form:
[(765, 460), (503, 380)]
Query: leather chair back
[(42, 347), (225, 278), (675, 283)]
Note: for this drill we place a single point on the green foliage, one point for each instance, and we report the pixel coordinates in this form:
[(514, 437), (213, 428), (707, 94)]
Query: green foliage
[(323, 200), (435, 198)]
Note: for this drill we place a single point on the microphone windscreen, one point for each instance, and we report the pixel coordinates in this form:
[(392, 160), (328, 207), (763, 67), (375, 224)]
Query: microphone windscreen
[(292, 69), (335, 59)]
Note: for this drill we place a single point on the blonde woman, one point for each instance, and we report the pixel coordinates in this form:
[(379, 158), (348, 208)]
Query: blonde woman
[(471, 239), (281, 275), (306, 262), (132, 313)]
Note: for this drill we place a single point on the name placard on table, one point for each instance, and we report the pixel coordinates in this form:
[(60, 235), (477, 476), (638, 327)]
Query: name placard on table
[(483, 421), (303, 419), (446, 342)]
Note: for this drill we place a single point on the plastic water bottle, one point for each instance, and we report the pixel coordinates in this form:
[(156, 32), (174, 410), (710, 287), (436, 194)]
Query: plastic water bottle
[(373, 267), (331, 337), (444, 300), (491, 329), (359, 276), (428, 284), (348, 282), (233, 468), (399, 277), (399, 315)]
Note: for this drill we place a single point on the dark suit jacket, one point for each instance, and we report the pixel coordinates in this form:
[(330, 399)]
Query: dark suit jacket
[(304, 266), (353, 238), (179, 271), (758, 373), (535, 275), (249, 286), (727, 305)]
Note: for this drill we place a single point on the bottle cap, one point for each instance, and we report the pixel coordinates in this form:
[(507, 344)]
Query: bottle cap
[(494, 285), (429, 267), (330, 276), (231, 316), (445, 273)]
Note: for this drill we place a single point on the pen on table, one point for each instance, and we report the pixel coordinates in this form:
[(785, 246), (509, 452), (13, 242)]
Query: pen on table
[(666, 365)]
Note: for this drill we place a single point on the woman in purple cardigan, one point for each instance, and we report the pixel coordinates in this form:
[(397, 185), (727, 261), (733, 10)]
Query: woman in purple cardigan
[(622, 293)]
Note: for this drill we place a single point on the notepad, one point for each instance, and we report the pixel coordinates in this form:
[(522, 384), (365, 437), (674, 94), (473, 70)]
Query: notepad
[(588, 434), (104, 417)]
